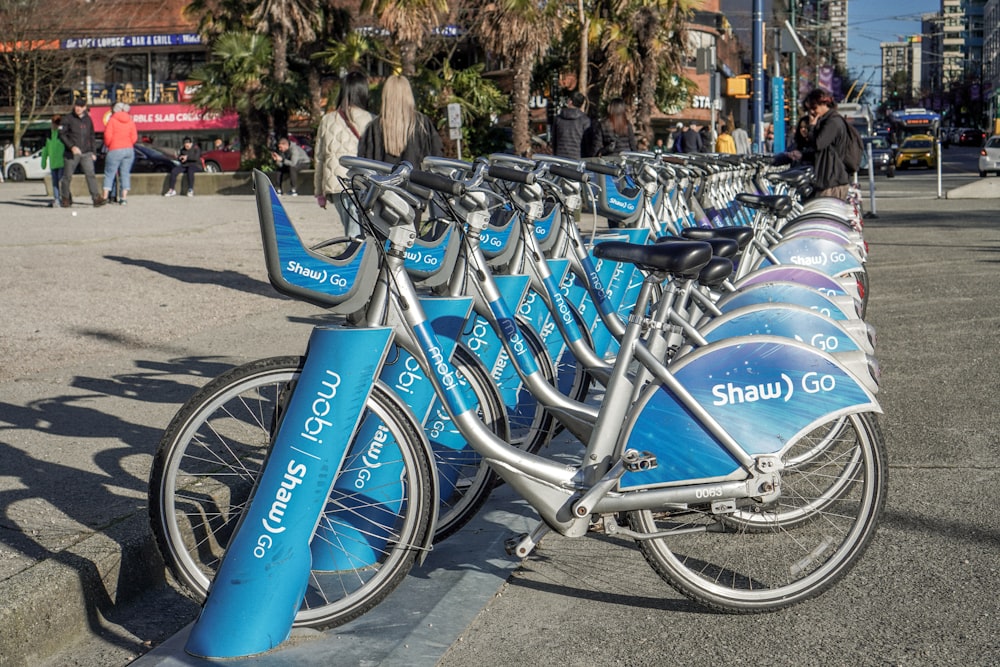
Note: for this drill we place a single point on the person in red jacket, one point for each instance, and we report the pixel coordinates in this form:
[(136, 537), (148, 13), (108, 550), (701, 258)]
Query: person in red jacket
[(120, 136)]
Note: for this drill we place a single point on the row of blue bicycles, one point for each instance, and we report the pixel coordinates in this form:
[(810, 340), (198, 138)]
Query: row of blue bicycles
[(708, 351)]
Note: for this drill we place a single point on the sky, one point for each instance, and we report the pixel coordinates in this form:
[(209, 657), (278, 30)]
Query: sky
[(870, 22)]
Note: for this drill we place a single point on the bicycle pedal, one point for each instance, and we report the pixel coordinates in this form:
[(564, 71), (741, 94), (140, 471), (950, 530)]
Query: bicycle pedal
[(639, 461)]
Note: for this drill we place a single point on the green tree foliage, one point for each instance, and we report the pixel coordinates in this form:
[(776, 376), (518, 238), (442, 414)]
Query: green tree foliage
[(408, 23), (518, 32), (643, 43), (32, 73), (237, 77)]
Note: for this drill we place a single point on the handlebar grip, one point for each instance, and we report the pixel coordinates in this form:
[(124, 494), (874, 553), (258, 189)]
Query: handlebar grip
[(601, 168), (437, 182), (509, 174), (354, 162), (508, 158), (568, 173)]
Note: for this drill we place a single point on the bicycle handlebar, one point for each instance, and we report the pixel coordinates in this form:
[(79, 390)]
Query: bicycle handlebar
[(437, 182), (602, 168), (511, 174), (569, 173)]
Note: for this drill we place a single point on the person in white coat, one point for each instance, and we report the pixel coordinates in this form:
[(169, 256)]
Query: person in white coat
[(338, 135)]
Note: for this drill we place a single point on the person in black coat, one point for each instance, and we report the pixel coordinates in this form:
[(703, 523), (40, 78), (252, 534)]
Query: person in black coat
[(571, 128), (691, 140), (77, 134), (190, 164), (614, 134), (828, 137), (399, 132)]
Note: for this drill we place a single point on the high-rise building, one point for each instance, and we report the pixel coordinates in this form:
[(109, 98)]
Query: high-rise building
[(824, 24), (901, 70), (991, 61), (953, 41)]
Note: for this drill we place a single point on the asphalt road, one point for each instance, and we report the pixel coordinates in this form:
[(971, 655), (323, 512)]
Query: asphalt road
[(113, 316)]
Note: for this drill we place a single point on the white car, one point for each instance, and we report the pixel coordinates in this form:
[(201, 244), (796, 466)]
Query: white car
[(989, 156), (24, 168)]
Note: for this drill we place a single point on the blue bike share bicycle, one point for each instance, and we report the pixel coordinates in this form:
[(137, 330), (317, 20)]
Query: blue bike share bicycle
[(750, 471)]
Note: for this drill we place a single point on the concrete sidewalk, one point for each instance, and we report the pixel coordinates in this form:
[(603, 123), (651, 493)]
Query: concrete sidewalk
[(984, 188), (113, 316)]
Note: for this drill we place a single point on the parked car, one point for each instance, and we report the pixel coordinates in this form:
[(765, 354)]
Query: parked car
[(148, 160), (882, 156), (229, 159), (971, 137), (222, 159), (26, 168), (989, 157), (918, 150)]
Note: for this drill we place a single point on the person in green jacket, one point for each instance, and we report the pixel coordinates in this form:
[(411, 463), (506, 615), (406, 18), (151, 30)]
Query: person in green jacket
[(52, 156)]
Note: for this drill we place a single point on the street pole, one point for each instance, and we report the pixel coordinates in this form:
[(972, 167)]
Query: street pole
[(758, 76), (793, 75), (937, 144), (871, 184), (713, 92)]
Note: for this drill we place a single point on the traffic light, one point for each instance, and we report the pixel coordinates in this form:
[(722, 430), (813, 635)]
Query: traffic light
[(738, 86)]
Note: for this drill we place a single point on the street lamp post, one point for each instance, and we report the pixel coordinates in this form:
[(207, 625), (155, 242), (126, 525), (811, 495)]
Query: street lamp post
[(758, 76)]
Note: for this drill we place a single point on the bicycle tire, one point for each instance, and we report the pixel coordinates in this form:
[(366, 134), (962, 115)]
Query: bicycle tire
[(206, 468), (752, 567)]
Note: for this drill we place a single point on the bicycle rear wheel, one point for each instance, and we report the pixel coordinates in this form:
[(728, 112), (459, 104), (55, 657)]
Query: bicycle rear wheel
[(206, 469), (738, 564)]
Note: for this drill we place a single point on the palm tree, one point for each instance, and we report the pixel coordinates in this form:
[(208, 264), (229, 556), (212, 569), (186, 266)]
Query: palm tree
[(287, 22), (236, 78), (644, 41), (218, 16), (408, 22), (519, 32), (282, 19)]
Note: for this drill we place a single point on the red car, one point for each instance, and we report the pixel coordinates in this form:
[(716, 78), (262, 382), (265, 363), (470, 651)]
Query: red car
[(228, 159), (971, 138), (222, 160)]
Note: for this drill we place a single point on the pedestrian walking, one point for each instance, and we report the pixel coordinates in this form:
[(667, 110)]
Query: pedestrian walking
[(399, 132), (77, 134), (571, 128), (54, 159), (614, 134), (120, 136), (725, 142), (190, 164), (339, 132), (742, 139), (691, 139)]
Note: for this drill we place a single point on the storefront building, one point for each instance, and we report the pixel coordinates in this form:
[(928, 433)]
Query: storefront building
[(145, 59)]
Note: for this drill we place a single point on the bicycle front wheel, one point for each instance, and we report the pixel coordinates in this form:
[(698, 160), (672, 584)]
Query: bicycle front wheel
[(207, 466), (779, 554)]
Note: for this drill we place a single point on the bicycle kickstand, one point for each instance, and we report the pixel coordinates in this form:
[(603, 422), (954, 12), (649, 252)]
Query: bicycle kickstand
[(523, 544)]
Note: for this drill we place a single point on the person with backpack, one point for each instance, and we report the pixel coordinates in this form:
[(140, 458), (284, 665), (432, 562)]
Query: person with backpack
[(830, 136)]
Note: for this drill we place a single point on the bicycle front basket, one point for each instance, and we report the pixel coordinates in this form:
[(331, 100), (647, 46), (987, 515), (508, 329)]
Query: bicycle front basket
[(342, 284)]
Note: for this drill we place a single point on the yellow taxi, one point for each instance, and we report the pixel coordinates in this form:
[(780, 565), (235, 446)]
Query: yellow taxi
[(920, 150)]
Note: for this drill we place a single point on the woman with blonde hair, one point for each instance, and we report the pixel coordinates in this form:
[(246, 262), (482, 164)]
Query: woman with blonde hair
[(399, 132)]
